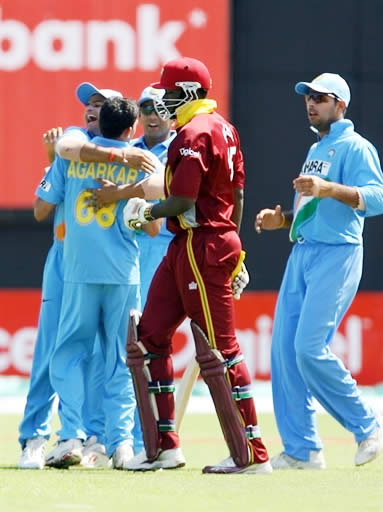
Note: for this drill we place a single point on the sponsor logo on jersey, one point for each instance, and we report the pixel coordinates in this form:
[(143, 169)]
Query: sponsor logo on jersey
[(45, 185), (193, 285), (189, 152), (331, 153), (316, 167)]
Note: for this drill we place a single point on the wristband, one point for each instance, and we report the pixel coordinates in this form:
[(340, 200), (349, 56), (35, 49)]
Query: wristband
[(147, 215), (111, 156), (283, 221)]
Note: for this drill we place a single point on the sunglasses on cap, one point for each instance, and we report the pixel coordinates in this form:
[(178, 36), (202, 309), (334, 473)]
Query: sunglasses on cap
[(147, 110), (319, 97)]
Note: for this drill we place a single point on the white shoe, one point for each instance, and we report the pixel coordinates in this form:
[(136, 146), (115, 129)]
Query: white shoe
[(167, 459), (94, 454), (371, 447), (33, 453), (65, 454), (284, 461), (227, 466), (123, 454)]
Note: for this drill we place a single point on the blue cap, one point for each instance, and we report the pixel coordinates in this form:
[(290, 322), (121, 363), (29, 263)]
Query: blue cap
[(85, 90), (327, 83), (150, 94)]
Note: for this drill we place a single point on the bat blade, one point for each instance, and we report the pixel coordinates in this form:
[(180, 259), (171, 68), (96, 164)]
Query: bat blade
[(184, 391)]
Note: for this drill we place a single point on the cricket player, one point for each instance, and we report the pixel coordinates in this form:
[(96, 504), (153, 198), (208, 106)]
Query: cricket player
[(35, 428), (339, 185), (204, 192)]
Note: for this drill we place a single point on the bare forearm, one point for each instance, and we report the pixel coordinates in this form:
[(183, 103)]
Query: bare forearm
[(128, 191), (42, 209), (91, 153), (238, 208), (72, 148), (153, 187), (111, 193), (172, 206), (318, 187), (344, 194)]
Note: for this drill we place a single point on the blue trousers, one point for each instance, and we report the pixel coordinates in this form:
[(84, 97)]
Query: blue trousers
[(318, 286), (38, 409), (87, 308), (152, 251)]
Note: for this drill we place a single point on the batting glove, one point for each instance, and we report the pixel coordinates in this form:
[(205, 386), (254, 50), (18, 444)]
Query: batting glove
[(240, 281), (137, 213)]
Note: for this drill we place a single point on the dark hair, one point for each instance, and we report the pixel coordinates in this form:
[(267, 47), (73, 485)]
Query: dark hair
[(116, 115)]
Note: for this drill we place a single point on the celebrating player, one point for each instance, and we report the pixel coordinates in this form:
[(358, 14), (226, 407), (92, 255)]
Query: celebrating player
[(35, 427), (340, 184), (204, 187)]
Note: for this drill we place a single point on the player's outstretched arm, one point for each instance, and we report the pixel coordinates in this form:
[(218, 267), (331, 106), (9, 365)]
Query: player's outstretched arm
[(139, 212), (150, 188), (71, 148)]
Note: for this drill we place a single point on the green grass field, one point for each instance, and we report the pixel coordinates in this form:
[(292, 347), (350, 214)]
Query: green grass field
[(341, 488)]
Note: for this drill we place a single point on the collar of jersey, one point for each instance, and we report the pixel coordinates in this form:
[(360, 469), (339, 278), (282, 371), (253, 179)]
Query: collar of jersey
[(104, 141), (338, 128), (185, 113), (140, 142)]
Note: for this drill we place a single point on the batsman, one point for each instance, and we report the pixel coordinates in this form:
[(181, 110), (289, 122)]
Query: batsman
[(204, 181)]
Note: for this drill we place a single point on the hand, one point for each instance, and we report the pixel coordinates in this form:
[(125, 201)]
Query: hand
[(107, 194), (312, 186), (269, 219), (138, 159), (134, 213), (50, 138), (240, 281)]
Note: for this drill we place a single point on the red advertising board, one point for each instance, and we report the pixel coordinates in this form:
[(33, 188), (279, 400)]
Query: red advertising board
[(359, 341), (47, 48)]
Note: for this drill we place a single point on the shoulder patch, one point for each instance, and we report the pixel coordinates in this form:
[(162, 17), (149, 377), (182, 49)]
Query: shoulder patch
[(45, 185)]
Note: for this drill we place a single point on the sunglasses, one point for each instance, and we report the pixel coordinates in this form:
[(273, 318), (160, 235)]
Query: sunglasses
[(147, 110), (320, 98)]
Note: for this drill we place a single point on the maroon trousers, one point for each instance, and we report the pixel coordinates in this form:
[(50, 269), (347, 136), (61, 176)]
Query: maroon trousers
[(194, 280)]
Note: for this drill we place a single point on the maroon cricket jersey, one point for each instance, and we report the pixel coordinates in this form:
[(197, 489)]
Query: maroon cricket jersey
[(205, 163)]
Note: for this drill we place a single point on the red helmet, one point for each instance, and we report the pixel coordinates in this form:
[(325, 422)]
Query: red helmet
[(184, 69), (185, 74)]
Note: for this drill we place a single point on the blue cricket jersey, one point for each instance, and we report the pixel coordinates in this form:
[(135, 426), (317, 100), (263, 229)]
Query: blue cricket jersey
[(342, 156), (98, 247)]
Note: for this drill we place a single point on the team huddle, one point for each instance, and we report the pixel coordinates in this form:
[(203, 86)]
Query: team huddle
[(113, 257)]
